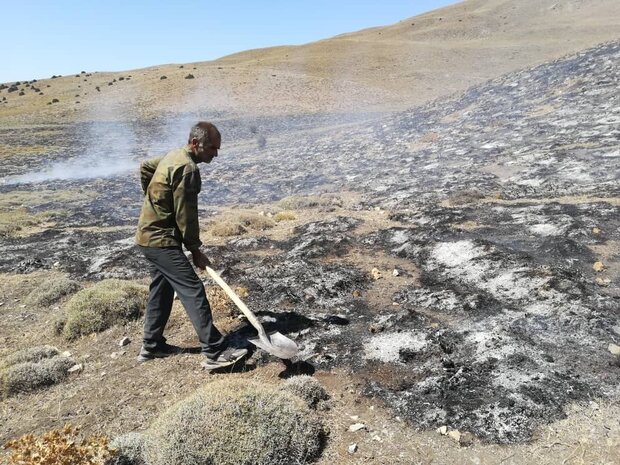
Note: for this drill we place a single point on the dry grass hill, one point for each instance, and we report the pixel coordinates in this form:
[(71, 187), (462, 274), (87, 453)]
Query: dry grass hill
[(391, 67)]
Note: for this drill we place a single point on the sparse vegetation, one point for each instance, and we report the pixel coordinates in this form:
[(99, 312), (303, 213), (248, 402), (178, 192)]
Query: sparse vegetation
[(307, 388), (103, 305), (32, 354), (297, 202), (51, 291), (59, 447), (284, 216), (235, 421), (220, 303), (15, 220)]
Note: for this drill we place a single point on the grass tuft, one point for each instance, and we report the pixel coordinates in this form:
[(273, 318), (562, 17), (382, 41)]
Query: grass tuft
[(235, 224), (232, 422), (103, 305), (129, 449), (284, 216), (32, 354), (51, 291), (298, 202)]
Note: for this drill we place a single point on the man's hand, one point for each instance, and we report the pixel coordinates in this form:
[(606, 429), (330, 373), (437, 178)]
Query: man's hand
[(200, 260)]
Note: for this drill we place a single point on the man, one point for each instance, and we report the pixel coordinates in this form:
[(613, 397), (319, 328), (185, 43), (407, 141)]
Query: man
[(168, 220)]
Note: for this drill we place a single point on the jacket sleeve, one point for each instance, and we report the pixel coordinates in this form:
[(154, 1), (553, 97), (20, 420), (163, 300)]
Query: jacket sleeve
[(186, 209), (147, 170)]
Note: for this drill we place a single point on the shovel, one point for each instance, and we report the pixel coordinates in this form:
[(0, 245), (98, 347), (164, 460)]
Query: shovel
[(274, 343)]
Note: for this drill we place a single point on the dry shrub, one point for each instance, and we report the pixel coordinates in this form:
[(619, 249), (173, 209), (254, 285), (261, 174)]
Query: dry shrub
[(240, 223), (28, 376), (103, 305), (225, 228), (307, 388), (232, 422), (14, 220), (220, 303), (59, 447), (51, 291), (128, 449), (284, 216), (297, 202), (32, 354)]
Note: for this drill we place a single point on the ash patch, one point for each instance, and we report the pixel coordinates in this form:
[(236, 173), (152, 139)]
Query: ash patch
[(321, 238)]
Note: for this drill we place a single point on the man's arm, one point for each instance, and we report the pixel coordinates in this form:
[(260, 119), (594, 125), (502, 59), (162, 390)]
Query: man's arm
[(186, 209), (147, 170)]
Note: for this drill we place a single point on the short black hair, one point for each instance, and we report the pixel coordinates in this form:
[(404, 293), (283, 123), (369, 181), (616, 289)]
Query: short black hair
[(204, 131)]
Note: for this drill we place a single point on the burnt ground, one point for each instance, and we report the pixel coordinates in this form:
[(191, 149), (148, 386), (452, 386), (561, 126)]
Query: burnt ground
[(493, 206)]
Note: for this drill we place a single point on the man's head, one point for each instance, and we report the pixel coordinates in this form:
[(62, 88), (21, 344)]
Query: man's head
[(204, 141)]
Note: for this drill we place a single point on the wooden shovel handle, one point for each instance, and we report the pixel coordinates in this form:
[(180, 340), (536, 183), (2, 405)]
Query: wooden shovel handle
[(238, 302)]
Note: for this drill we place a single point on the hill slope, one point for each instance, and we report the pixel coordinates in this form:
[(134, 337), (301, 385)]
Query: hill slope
[(392, 67)]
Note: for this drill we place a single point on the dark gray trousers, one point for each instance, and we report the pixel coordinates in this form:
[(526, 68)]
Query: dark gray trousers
[(171, 272)]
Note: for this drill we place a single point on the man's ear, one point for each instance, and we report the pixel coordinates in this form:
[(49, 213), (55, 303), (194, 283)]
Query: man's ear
[(194, 142)]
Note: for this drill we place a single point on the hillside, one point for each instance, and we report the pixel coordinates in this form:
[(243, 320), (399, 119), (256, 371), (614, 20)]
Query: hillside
[(383, 68)]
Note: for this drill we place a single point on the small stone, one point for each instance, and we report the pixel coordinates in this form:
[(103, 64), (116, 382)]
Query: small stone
[(614, 349), (395, 272), (22, 306), (377, 438), (616, 329), (455, 434), (594, 405), (596, 231), (443, 430), (352, 448), (598, 266), (356, 293), (376, 274), (56, 264), (76, 368), (1, 304), (395, 304), (357, 427), (354, 417), (123, 342), (66, 353)]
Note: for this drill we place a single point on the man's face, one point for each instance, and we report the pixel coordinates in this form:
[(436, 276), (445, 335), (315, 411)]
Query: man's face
[(207, 150)]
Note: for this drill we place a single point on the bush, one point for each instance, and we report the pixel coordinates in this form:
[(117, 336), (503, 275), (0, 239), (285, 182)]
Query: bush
[(28, 376), (59, 447), (107, 303), (51, 291), (227, 229), (233, 422), (284, 216), (220, 303), (128, 449), (33, 354), (307, 388)]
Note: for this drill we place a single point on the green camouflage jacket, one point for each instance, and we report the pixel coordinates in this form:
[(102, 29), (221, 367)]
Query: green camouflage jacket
[(169, 215)]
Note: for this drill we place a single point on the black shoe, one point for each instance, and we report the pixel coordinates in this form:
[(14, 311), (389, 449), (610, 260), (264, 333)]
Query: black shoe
[(227, 357), (161, 351)]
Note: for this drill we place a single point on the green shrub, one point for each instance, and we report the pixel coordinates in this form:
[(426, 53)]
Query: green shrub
[(233, 422), (28, 376), (307, 388), (51, 291), (103, 305)]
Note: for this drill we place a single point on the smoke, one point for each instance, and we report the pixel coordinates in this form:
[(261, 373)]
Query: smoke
[(98, 149)]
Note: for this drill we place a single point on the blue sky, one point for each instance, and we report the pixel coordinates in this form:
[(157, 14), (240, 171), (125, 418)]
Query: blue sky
[(42, 38)]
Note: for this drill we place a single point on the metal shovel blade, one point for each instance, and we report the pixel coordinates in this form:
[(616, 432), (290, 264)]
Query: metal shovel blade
[(276, 344)]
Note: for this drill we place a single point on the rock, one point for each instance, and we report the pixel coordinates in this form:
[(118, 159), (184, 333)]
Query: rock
[(76, 368), (354, 417), (613, 349), (357, 427), (352, 448), (66, 353), (455, 434), (596, 231), (443, 430), (189, 76), (124, 341), (598, 266), (395, 272), (376, 274)]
